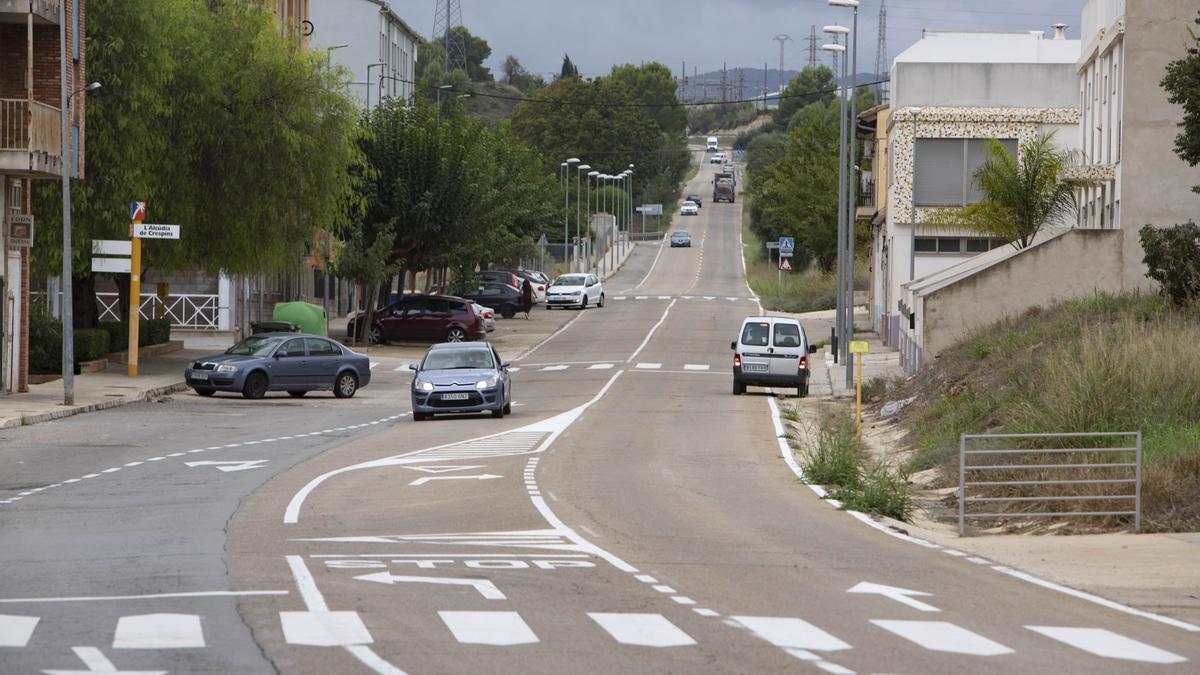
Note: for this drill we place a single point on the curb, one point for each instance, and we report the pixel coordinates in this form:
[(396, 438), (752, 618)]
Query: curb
[(27, 420), (620, 263)]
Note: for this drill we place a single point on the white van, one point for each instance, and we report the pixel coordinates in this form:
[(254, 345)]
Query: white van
[(771, 352), (712, 144)]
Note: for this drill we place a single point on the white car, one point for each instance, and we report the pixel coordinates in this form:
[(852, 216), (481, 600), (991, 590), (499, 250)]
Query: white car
[(718, 158), (575, 290), (689, 209)]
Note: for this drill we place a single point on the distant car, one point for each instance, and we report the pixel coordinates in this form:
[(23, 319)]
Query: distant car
[(771, 352), (488, 315), (696, 200), (536, 279), (461, 378), (689, 209), (423, 318), (500, 276), (505, 298), (711, 145), (575, 290), (293, 362), (681, 238), (718, 158)]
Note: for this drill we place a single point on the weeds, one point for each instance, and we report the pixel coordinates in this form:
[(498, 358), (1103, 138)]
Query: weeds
[(791, 414), (839, 459), (882, 490)]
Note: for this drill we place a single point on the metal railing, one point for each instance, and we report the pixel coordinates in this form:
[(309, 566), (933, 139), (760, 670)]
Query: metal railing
[(199, 311), (36, 132), (1104, 470)]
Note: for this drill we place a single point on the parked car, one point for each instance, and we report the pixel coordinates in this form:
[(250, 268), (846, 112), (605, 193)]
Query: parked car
[(423, 318), (689, 209), (487, 314), (499, 276), (505, 298), (536, 279), (695, 199), (575, 290), (771, 352), (461, 378), (681, 238), (293, 362)]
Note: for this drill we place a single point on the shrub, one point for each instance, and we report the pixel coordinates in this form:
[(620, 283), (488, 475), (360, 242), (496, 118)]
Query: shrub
[(837, 456), (881, 490), (90, 344), (154, 331), (45, 342), (1173, 260), (118, 335)]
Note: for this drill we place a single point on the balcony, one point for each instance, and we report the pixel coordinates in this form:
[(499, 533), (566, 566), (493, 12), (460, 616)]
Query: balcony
[(45, 12), (30, 138)]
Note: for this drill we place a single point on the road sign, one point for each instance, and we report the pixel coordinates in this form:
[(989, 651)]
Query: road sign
[(542, 241), (111, 247), (772, 245), (20, 231), (785, 264), (650, 209), (137, 211), (786, 246), (858, 346), (111, 265), (149, 231)]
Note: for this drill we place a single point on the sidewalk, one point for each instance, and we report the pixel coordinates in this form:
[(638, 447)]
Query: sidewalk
[(157, 376), (829, 378)]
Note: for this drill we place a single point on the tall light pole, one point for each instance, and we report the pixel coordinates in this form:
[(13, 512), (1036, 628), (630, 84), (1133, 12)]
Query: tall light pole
[(579, 168), (781, 38), (377, 64), (836, 32), (629, 213), (593, 176), (567, 208), (852, 196)]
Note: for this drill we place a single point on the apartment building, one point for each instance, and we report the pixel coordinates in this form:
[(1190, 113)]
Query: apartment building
[(370, 40), (31, 147)]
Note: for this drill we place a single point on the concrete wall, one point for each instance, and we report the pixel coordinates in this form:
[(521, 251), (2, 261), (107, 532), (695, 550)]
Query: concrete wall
[(1156, 185), (1038, 276), (982, 85)]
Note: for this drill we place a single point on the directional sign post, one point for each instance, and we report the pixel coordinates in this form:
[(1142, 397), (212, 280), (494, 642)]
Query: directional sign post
[(151, 231), (137, 212)]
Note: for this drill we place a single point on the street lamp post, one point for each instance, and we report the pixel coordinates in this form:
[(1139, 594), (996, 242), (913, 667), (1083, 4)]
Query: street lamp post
[(837, 49), (567, 208), (579, 169), (593, 176), (629, 220), (851, 197)]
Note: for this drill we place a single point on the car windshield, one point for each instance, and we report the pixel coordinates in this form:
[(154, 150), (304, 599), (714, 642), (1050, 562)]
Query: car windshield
[(680, 234), (570, 280), (254, 346), (456, 359)]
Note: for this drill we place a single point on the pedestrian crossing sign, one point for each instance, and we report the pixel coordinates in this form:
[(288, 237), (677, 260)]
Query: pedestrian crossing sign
[(785, 264)]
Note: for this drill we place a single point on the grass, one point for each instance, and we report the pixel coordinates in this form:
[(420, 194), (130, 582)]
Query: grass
[(1110, 363), (836, 457), (809, 290)]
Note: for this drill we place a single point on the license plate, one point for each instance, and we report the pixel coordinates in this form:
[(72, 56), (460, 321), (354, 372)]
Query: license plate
[(754, 367), (456, 397), (199, 375)]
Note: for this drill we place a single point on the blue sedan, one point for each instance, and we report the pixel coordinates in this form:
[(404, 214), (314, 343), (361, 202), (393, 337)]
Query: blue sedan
[(293, 362), (461, 377)]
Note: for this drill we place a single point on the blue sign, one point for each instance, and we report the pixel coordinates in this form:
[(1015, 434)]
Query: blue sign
[(787, 245)]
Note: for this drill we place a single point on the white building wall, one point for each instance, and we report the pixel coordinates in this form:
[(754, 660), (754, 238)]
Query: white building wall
[(373, 34)]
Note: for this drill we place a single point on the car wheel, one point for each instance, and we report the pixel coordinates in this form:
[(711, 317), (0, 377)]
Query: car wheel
[(204, 391), (297, 393), (738, 388), (498, 412), (583, 303), (508, 408), (375, 336), (420, 417), (601, 303), (346, 385), (456, 334), (508, 311), (255, 385)]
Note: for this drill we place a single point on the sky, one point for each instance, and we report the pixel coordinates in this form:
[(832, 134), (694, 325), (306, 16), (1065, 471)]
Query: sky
[(707, 33)]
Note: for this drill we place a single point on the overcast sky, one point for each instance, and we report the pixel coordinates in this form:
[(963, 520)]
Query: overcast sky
[(704, 33)]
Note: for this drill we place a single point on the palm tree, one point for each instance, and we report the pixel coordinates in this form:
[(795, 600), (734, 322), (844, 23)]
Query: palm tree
[(1021, 195)]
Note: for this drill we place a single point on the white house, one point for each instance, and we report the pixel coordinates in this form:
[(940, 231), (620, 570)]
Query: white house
[(373, 33)]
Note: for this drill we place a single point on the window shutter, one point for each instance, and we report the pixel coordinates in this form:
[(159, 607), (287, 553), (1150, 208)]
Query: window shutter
[(939, 172)]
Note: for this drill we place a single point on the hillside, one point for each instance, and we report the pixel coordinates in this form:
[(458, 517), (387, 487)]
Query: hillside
[(492, 101)]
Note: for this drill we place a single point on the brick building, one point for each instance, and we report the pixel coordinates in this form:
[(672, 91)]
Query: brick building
[(31, 146)]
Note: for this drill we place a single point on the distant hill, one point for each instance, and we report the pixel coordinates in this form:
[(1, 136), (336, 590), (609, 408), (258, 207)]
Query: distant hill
[(707, 86), (492, 101)]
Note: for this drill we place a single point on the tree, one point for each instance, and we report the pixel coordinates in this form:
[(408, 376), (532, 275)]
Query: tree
[(369, 263), (1021, 195), (569, 70), (653, 85), (1182, 83), (478, 51), (514, 73), (1172, 257), (812, 85)]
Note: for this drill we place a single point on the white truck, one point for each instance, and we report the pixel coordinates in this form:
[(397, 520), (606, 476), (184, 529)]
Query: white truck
[(712, 144)]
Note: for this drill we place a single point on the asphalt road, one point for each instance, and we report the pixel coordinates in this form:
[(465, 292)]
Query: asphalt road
[(630, 516)]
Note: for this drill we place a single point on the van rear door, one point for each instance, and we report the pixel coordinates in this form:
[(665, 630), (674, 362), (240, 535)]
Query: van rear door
[(755, 347), (787, 347)]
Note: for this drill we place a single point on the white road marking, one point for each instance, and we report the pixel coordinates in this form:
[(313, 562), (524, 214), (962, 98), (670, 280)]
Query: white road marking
[(664, 297), (97, 662), (648, 366), (324, 629), (488, 628), (791, 633), (900, 595), (979, 561), (486, 588), (550, 337), (683, 600), (374, 365), (941, 636), (443, 469), (642, 297), (553, 368), (600, 366), (399, 368), (427, 479), (647, 630), (1108, 644), (619, 297), (696, 366), (705, 612), (149, 596), (15, 631), (231, 465), (646, 579), (663, 588), (159, 631)]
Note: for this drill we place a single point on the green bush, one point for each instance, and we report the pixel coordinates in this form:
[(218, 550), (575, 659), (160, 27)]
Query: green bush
[(90, 344), (45, 342), (150, 332), (836, 457), (118, 335), (1173, 260), (880, 490)]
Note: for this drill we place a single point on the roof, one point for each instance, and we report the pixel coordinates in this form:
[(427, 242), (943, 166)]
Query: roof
[(386, 8), (938, 280), (442, 346), (983, 47)]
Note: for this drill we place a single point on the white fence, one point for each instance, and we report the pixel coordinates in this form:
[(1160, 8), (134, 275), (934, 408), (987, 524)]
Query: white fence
[(200, 311)]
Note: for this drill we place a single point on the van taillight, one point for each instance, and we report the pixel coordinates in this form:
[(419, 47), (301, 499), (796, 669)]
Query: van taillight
[(803, 363), (737, 360)]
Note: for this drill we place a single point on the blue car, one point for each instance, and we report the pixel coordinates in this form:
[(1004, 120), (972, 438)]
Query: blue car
[(293, 362), (461, 377)]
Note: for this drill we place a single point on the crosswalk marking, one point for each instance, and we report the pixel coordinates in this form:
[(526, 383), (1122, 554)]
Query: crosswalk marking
[(1107, 644), (553, 368), (696, 366), (648, 366), (159, 631), (324, 629), (600, 366), (791, 633), (488, 628), (15, 631), (646, 630), (640, 297), (941, 636), (664, 297)]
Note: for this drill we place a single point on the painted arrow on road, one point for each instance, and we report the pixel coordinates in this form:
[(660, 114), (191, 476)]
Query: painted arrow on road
[(482, 476), (97, 662), (900, 595), (235, 465), (486, 588)]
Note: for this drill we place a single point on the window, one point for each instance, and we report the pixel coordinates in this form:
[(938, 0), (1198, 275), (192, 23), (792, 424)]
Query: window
[(439, 306), (756, 334), (787, 335), (322, 348), (978, 245), (925, 245), (293, 347), (411, 309), (945, 171), (956, 245), (458, 308), (949, 245)]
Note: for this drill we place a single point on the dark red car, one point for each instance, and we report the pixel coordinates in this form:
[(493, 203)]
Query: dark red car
[(424, 318)]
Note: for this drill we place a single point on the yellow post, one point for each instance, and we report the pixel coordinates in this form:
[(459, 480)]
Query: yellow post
[(137, 211), (858, 348)]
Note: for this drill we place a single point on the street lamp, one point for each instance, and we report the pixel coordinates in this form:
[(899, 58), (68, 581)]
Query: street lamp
[(839, 323), (579, 168), (851, 197), (592, 176), (377, 64), (566, 166), (629, 220)]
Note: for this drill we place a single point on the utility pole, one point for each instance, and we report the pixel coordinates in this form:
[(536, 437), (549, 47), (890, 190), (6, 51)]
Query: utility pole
[(882, 64), (812, 47), (724, 83), (781, 38), (447, 16)]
